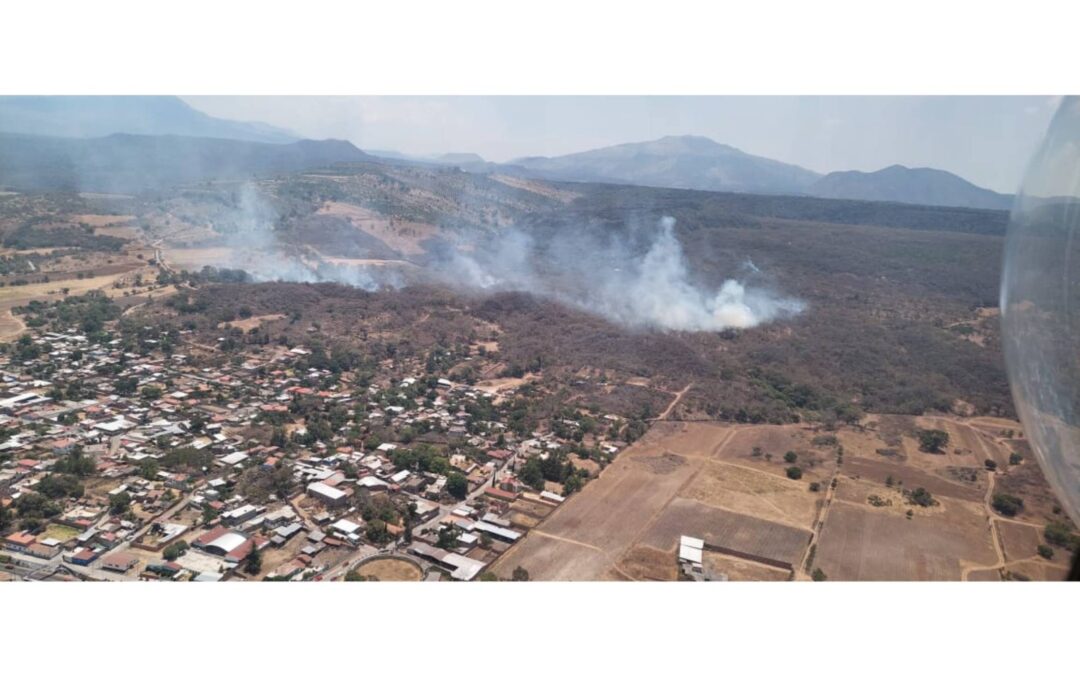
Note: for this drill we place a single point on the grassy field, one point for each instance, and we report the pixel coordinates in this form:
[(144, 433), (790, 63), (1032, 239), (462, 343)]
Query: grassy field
[(59, 532)]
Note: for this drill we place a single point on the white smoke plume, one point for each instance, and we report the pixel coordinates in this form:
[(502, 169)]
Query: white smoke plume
[(254, 246), (604, 276), (638, 277)]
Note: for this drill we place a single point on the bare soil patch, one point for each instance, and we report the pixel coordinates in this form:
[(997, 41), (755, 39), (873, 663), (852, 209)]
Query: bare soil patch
[(729, 532), (650, 564), (391, 569), (737, 569), (737, 488), (1019, 541), (858, 543)]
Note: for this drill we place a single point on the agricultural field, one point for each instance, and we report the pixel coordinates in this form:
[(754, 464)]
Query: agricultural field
[(729, 485)]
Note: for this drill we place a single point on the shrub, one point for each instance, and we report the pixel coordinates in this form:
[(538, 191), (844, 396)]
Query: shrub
[(794, 472), (1060, 534), (790, 457), (1006, 504), (1045, 551), (921, 497), (933, 440)]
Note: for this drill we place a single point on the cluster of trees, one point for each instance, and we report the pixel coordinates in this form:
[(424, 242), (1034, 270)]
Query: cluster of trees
[(920, 497), (1060, 533), (29, 236), (555, 467), (59, 486), (258, 484), (119, 503), (75, 463), (188, 456), (34, 508)]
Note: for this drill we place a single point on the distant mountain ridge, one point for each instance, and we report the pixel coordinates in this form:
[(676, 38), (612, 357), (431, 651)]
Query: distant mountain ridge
[(94, 116), (691, 162), (130, 163), (897, 183), (699, 163)]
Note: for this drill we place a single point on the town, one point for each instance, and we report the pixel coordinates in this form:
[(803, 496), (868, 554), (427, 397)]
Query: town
[(125, 457)]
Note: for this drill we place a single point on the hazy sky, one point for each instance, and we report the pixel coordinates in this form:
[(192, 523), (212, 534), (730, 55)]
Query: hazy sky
[(987, 140)]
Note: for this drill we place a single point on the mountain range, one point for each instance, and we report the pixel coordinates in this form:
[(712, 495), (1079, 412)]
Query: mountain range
[(128, 163), (131, 143), (92, 116), (695, 162)]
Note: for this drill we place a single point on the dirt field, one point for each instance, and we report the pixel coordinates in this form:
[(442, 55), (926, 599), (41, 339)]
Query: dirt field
[(746, 490), (650, 564), (11, 326), (584, 538), (737, 569), (726, 484), (196, 258), (1020, 541), (1037, 571), (253, 322), (859, 542), (391, 569), (404, 236)]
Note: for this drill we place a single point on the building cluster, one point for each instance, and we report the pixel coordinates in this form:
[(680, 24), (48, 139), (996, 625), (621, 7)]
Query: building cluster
[(121, 462)]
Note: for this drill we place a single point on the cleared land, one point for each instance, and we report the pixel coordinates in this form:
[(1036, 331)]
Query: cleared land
[(727, 484), (390, 569)]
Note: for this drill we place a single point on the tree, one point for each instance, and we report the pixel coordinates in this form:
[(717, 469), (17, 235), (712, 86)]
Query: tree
[(921, 497), (933, 441), (1015, 458), (818, 575), (990, 465), (1058, 533), (790, 457), (410, 518), (126, 386), (448, 538), (520, 574), (148, 468), (75, 463), (457, 485), (532, 475), (1045, 551), (174, 550), (376, 531), (119, 503), (572, 484), (794, 472), (815, 487), (253, 562), (1006, 504)]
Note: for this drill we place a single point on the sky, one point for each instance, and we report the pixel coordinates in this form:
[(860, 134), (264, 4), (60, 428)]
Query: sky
[(987, 140)]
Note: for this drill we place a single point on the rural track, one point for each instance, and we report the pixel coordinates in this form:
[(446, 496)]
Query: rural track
[(671, 406)]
